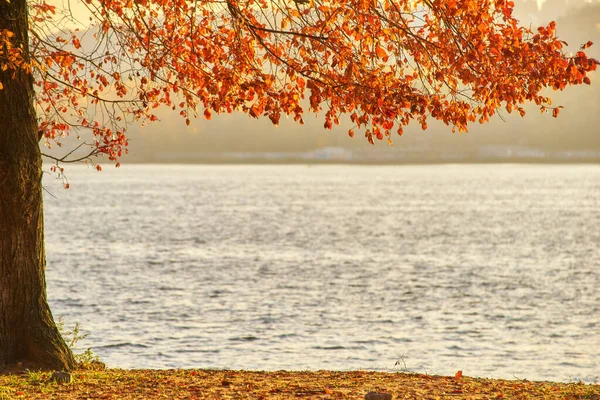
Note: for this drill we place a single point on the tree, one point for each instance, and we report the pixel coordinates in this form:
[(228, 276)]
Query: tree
[(381, 63)]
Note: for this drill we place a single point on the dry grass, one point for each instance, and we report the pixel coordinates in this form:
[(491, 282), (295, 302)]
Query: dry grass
[(213, 384)]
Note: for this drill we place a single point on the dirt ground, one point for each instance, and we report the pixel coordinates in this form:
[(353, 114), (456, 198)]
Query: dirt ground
[(218, 384)]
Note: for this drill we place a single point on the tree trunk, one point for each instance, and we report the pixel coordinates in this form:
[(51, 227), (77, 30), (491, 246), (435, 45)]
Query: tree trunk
[(27, 330)]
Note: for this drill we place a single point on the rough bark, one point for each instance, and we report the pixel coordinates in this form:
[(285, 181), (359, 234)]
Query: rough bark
[(27, 330)]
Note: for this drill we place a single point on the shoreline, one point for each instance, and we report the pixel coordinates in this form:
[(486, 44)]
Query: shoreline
[(234, 384)]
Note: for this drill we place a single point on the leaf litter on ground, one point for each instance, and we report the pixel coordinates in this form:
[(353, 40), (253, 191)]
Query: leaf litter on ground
[(228, 384)]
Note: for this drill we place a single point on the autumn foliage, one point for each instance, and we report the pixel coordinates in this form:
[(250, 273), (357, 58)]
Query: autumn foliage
[(383, 63)]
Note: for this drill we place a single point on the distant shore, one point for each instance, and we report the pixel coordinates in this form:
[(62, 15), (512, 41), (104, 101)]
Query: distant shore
[(292, 161), (228, 384)]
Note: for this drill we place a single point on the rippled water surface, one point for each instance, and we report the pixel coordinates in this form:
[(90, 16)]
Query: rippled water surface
[(491, 269)]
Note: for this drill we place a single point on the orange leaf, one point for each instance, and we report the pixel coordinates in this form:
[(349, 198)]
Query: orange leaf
[(381, 53), (301, 82), (458, 375)]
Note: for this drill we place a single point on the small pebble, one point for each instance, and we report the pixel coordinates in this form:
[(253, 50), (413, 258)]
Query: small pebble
[(378, 396), (61, 377)]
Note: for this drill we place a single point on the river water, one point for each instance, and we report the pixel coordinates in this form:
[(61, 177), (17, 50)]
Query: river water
[(489, 269)]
